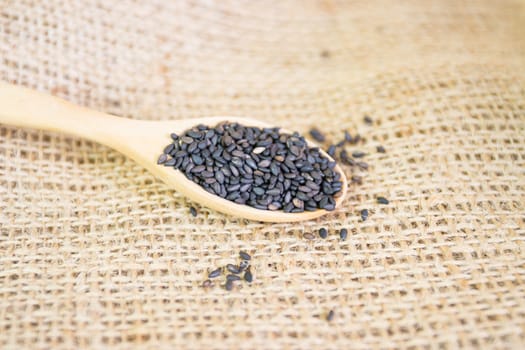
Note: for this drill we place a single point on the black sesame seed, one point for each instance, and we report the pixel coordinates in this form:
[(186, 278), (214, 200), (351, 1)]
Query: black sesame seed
[(274, 206), (244, 255), (330, 315), (258, 191), (162, 159), (170, 162), (174, 136), (317, 135), (193, 211), (323, 233), (198, 169), (264, 164), (215, 273), (233, 269), (186, 139), (298, 203), (362, 165), (382, 200), (197, 160), (232, 277), (343, 234), (248, 277), (169, 148), (331, 150), (358, 154), (229, 285), (368, 120), (348, 137), (364, 214), (380, 149)]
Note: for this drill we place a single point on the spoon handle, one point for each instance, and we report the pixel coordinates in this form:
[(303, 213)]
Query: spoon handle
[(24, 107)]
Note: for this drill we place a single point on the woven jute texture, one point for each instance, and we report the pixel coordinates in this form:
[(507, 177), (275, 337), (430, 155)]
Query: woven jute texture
[(96, 253)]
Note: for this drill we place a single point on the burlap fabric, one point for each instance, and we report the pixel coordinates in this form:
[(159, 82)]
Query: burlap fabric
[(96, 253)]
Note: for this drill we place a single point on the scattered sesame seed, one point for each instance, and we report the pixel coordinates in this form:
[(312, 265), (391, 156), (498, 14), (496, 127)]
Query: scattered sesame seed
[(364, 214), (382, 200), (343, 234), (215, 273), (330, 316), (248, 277), (244, 255)]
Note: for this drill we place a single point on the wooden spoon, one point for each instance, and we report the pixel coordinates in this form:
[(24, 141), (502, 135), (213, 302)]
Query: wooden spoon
[(141, 140)]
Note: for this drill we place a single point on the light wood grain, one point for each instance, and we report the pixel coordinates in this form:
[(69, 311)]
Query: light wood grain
[(140, 140)]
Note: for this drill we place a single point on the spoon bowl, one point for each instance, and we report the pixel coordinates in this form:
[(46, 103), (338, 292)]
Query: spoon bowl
[(141, 140)]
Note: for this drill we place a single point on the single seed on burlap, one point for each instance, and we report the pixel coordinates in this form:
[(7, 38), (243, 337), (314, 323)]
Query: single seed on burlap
[(358, 154), (364, 214), (380, 149), (229, 285), (362, 165), (330, 315), (215, 273), (232, 277), (323, 233), (331, 150), (248, 277), (343, 234), (317, 135), (244, 255), (368, 120), (193, 211), (348, 137), (233, 269), (382, 200)]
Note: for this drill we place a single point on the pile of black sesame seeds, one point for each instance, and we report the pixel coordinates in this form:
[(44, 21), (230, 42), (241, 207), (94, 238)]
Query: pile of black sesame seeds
[(234, 272), (258, 167)]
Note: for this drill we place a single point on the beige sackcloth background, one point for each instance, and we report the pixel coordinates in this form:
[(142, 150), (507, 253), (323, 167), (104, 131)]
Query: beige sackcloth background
[(96, 253)]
